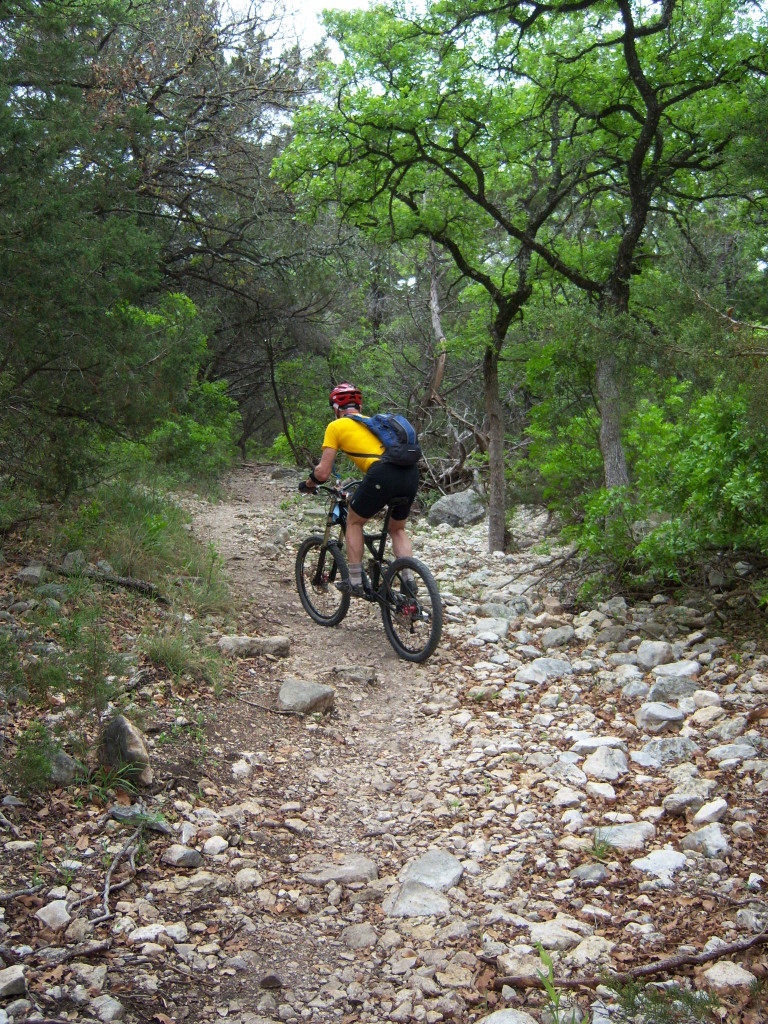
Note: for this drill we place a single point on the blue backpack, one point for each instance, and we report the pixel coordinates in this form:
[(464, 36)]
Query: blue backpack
[(401, 445)]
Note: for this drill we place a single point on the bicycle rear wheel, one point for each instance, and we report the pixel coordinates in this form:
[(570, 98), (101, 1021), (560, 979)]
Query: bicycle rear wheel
[(412, 611), (318, 568)]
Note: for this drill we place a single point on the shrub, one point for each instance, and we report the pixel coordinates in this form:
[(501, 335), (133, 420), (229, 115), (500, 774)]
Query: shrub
[(199, 440), (30, 769), (700, 483)]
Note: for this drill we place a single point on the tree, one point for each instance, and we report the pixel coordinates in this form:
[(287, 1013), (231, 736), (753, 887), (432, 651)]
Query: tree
[(529, 141), (135, 146)]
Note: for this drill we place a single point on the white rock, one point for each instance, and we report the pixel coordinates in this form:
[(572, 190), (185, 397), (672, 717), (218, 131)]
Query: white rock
[(107, 1009), (661, 863), (214, 846), (707, 698), (586, 743), (678, 670), (710, 812), (54, 915), (656, 716), (567, 797), (591, 950), (651, 653), (710, 840), (541, 669), (508, 1017), (241, 769), (601, 791), (552, 935), (348, 868), (248, 878), (732, 752), (632, 836), (147, 933), (413, 899), (13, 981), (436, 868), (606, 764), (725, 974)]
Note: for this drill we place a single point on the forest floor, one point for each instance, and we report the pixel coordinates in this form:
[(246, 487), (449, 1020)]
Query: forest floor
[(309, 825)]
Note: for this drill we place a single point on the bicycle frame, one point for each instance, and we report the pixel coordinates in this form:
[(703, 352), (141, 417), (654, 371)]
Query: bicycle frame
[(404, 589), (374, 542)]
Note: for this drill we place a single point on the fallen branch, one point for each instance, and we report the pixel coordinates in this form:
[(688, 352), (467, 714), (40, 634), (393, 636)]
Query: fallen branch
[(9, 825), (127, 582), (113, 888), (115, 861), (81, 949), (660, 967), (6, 897), (261, 707)]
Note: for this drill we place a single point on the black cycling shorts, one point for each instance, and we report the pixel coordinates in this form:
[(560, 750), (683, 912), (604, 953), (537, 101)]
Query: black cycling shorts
[(380, 485)]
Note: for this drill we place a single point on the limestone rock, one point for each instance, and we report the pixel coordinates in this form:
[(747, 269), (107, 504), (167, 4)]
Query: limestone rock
[(508, 1017), (13, 981), (607, 764), (249, 646), (710, 840), (305, 697), (346, 869), (54, 915), (651, 653), (460, 509), (360, 936), (658, 717), (661, 863), (412, 899), (630, 836), (123, 744), (542, 669), (179, 856), (436, 869), (553, 935), (725, 975)]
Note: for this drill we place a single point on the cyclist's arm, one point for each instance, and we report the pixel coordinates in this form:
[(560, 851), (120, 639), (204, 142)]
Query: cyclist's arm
[(323, 469)]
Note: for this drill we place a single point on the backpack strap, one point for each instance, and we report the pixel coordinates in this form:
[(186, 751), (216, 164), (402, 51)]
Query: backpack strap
[(362, 455)]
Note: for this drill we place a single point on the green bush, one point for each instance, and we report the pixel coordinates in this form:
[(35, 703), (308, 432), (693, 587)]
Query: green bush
[(30, 770), (142, 534), (12, 681), (700, 483), (181, 653), (199, 440)]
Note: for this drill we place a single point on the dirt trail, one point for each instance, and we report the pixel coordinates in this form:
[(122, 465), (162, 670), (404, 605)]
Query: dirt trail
[(336, 774)]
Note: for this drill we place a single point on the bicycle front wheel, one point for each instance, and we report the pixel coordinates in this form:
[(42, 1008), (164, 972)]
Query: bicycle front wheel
[(318, 569), (411, 609)]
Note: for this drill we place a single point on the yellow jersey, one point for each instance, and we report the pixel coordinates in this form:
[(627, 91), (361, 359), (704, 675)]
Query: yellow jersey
[(347, 435)]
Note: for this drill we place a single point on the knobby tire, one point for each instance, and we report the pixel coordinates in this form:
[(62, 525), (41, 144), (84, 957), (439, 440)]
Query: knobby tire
[(413, 624), (318, 569)]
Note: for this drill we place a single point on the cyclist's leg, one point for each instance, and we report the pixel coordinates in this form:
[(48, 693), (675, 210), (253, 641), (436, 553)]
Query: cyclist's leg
[(401, 542), (355, 543), (404, 483), (365, 503)]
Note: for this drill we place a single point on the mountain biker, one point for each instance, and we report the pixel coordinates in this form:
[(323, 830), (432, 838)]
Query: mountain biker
[(382, 481)]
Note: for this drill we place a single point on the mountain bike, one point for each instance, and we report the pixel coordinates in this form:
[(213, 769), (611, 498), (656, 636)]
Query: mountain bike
[(404, 588)]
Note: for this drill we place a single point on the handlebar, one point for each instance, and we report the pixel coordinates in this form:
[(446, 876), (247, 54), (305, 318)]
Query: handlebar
[(343, 492)]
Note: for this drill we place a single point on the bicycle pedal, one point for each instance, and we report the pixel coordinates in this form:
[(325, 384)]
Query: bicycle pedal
[(353, 589)]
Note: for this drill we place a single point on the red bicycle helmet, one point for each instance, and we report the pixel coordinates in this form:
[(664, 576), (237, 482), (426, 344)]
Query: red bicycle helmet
[(344, 395)]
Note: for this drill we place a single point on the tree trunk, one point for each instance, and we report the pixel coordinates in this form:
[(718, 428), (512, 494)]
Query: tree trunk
[(437, 327), (497, 483), (609, 397)]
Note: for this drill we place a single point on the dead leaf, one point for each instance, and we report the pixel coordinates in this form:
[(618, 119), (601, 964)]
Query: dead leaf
[(163, 1018)]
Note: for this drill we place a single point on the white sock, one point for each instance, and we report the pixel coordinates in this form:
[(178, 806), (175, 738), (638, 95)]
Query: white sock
[(356, 574)]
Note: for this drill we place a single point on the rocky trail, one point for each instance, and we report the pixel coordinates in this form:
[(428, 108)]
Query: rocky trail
[(591, 784)]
